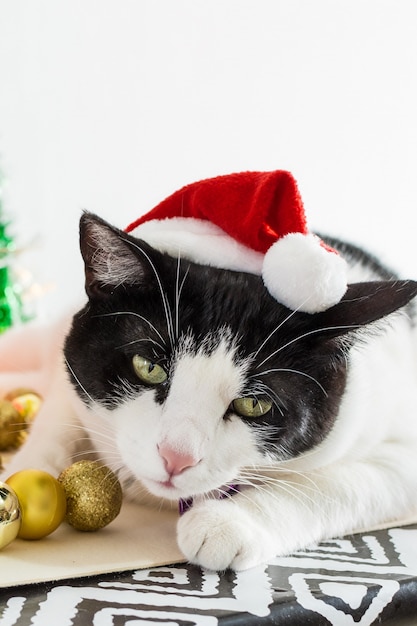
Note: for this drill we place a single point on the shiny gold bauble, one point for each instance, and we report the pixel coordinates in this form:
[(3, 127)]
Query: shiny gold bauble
[(94, 495), (42, 502), (12, 426), (10, 515), (18, 409), (27, 405)]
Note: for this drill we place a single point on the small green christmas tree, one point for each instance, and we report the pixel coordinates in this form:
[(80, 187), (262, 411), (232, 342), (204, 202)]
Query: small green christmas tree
[(11, 308)]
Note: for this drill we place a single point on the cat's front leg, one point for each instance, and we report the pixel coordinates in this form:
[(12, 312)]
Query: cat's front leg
[(252, 526)]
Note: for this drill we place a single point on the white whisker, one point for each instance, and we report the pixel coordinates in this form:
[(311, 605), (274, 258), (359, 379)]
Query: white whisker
[(165, 304), (145, 340), (291, 371), (272, 333), (177, 296), (304, 489), (81, 386), (308, 334), (135, 315)]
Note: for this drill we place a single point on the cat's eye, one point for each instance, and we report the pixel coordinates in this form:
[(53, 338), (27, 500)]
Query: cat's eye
[(251, 406), (148, 372)]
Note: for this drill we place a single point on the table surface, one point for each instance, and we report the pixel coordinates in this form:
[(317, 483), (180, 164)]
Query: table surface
[(364, 579)]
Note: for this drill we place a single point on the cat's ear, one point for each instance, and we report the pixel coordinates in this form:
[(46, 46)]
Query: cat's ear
[(112, 258), (364, 303)]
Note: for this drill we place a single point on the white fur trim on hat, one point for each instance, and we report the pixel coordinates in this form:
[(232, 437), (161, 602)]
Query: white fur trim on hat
[(200, 241), (299, 272)]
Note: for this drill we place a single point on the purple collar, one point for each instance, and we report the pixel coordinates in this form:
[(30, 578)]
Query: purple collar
[(185, 504)]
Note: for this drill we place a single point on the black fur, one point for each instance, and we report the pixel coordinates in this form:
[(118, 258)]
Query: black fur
[(299, 360)]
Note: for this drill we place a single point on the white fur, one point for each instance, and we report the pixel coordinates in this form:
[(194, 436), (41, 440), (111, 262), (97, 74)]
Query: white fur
[(364, 472)]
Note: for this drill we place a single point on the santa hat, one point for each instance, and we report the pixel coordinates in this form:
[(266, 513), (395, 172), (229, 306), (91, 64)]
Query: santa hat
[(251, 222)]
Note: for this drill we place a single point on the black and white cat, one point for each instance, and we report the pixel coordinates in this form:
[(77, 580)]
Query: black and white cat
[(273, 428)]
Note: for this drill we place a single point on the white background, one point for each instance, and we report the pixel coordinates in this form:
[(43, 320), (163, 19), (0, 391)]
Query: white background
[(111, 105)]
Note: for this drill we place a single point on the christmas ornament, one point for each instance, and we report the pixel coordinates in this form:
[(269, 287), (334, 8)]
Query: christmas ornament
[(94, 495), (10, 515), (42, 502), (33, 503), (11, 433), (252, 222), (27, 405), (17, 411)]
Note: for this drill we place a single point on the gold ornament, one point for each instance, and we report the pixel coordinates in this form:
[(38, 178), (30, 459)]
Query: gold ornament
[(18, 409), (27, 405), (42, 502), (12, 427), (10, 515), (94, 495)]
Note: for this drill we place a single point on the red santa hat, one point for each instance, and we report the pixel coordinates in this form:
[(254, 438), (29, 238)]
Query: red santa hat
[(252, 222)]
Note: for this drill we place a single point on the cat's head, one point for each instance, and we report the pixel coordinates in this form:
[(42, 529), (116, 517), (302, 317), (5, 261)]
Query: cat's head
[(196, 373)]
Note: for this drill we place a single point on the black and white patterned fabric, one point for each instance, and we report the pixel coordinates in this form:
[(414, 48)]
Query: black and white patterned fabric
[(363, 580)]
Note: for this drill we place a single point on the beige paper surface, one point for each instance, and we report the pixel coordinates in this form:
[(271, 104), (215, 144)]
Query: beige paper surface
[(139, 537)]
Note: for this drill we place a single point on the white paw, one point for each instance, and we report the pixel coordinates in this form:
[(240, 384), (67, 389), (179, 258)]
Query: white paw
[(219, 535)]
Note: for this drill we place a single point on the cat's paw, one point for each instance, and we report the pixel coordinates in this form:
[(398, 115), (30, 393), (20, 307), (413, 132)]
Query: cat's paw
[(219, 535)]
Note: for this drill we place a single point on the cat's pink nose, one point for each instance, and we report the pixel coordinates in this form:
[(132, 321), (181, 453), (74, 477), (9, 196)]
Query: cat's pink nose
[(176, 462)]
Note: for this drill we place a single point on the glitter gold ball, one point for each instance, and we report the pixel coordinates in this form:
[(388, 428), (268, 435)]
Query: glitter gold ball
[(94, 495), (10, 515), (42, 502)]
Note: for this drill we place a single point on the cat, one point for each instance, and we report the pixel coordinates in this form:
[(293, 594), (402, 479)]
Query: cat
[(272, 428)]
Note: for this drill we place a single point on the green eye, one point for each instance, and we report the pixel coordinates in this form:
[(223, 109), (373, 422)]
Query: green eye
[(251, 407), (148, 372)]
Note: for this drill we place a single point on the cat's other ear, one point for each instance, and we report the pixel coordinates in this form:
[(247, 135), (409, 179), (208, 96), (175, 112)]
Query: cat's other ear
[(112, 258), (364, 303)]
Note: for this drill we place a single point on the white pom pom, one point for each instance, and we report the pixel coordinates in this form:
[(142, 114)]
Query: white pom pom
[(301, 274)]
